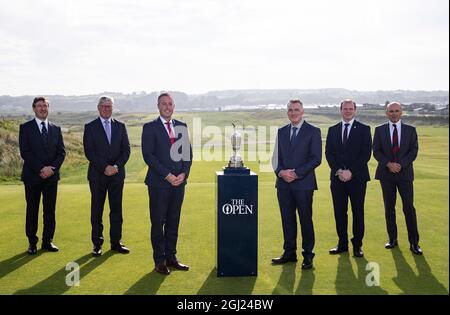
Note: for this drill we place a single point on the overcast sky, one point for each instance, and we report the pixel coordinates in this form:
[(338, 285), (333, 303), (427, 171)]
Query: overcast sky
[(195, 46)]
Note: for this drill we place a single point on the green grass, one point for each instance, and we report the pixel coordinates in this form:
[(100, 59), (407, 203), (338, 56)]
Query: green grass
[(401, 271)]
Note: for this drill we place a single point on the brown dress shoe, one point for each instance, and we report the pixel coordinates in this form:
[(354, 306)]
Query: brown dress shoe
[(162, 268), (177, 265)]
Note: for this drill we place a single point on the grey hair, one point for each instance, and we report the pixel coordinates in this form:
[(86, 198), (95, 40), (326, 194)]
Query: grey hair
[(105, 98), (294, 101)]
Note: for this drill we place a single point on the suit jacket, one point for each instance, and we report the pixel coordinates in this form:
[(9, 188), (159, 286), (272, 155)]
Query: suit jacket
[(156, 149), (356, 153), (409, 146), (303, 155), (36, 155), (100, 153)]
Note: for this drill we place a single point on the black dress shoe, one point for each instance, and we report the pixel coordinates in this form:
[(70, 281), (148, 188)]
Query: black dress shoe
[(284, 259), (120, 248), (357, 252), (97, 251), (50, 247), (307, 264), (337, 250), (177, 265), (416, 249), (162, 268), (32, 250), (391, 244)]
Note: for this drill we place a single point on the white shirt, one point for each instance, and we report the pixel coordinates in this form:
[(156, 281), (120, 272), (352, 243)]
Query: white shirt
[(349, 128), (298, 126), (38, 122), (103, 120), (103, 123), (165, 126), (398, 124)]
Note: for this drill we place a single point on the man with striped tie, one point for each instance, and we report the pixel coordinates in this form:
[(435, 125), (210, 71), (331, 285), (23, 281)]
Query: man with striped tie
[(107, 148), (42, 149), (167, 152), (395, 147)]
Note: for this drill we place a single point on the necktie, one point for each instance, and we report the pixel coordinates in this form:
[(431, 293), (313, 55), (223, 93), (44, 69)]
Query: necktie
[(44, 133), (345, 137), (294, 134), (395, 146), (171, 135), (108, 130)]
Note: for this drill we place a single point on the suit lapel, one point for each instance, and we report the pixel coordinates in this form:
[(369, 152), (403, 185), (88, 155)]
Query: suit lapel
[(352, 132), (403, 136), (114, 131), (102, 131), (387, 141), (163, 130)]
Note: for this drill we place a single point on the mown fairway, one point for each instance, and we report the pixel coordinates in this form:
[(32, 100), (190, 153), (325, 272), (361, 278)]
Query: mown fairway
[(401, 272)]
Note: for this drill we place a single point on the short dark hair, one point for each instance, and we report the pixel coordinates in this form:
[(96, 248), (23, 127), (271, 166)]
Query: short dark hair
[(348, 101), (40, 99), (164, 94)]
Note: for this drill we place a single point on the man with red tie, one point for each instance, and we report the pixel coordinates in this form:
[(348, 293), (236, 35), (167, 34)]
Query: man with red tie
[(167, 152), (395, 147)]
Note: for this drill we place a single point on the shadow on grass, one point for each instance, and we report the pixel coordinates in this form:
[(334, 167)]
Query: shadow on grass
[(347, 282), (286, 283), (226, 285), (148, 284), (411, 283), (56, 283), (9, 265)]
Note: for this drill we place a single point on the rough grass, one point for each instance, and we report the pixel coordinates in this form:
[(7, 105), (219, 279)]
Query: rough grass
[(401, 271)]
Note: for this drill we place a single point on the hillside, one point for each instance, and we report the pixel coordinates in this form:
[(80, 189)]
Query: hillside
[(10, 161)]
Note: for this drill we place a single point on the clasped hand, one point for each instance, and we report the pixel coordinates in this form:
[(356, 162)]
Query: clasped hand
[(176, 180), (288, 175), (46, 172), (344, 175)]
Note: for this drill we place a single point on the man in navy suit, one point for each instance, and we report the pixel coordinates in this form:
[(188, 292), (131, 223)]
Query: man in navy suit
[(395, 147), (107, 148), (348, 150), (298, 151), (167, 152), (42, 149)]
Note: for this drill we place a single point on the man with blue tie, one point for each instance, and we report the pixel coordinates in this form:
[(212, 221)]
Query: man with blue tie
[(167, 152), (395, 147), (42, 149), (107, 148), (298, 151), (348, 150)]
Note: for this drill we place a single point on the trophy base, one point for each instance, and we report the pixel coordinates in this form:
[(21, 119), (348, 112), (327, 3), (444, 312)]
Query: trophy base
[(236, 170), (235, 164)]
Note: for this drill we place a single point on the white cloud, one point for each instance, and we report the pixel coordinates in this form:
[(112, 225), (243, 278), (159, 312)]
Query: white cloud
[(77, 47)]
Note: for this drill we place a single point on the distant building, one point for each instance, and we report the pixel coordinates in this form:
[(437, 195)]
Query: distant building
[(368, 106)]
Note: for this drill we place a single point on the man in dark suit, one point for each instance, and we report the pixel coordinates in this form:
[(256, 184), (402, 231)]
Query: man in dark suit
[(348, 150), (167, 152), (395, 147), (42, 149), (298, 151), (107, 148)]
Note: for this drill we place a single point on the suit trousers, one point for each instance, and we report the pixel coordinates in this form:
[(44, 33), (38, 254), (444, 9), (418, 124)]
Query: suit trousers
[(33, 192), (342, 192), (113, 187), (405, 188), (290, 201), (165, 210)]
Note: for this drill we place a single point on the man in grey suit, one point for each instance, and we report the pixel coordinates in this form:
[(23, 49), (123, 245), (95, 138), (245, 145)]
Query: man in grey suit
[(395, 147), (298, 151)]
